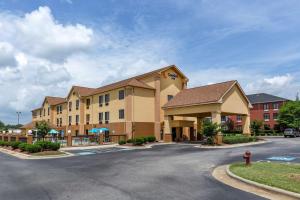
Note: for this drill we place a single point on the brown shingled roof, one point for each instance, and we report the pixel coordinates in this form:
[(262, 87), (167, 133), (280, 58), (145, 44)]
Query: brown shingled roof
[(55, 100), (200, 95), (31, 125)]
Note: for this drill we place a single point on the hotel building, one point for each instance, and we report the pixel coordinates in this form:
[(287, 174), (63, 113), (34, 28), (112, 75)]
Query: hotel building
[(155, 103)]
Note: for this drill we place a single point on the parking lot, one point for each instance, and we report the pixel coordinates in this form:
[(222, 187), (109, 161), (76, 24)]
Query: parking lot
[(97, 151), (162, 172)]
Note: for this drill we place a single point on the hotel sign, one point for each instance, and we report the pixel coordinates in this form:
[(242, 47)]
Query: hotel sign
[(173, 76)]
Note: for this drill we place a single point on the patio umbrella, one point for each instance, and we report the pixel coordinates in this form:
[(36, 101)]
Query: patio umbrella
[(53, 131), (101, 130), (94, 130)]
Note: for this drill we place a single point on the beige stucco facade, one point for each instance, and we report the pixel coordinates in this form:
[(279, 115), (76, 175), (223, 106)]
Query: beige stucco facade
[(142, 108)]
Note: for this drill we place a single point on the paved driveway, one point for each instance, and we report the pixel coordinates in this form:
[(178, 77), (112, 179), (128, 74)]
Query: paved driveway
[(163, 172)]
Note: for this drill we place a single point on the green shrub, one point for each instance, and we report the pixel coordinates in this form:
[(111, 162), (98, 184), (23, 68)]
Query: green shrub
[(129, 141), (151, 139), (238, 139), (210, 141), (2, 143), (22, 146), (33, 148), (121, 142), (15, 145), (138, 141), (47, 145), (55, 146)]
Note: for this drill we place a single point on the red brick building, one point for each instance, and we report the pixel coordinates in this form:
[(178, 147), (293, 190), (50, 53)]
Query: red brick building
[(265, 108)]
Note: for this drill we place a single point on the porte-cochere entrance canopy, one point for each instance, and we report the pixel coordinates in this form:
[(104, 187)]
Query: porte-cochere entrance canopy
[(186, 111)]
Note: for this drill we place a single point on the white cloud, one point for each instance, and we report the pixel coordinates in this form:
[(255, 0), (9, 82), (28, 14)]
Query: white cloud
[(40, 56), (279, 81)]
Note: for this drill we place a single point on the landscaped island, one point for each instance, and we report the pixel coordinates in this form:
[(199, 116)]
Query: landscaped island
[(280, 175)]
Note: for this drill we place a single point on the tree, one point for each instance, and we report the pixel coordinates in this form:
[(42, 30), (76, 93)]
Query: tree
[(210, 130), (289, 115), (42, 128), (229, 124), (2, 125), (256, 126)]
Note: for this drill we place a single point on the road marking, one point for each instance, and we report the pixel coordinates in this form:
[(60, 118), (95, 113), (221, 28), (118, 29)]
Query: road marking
[(282, 158)]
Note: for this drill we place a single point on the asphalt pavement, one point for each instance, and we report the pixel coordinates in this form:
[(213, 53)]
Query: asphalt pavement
[(176, 171)]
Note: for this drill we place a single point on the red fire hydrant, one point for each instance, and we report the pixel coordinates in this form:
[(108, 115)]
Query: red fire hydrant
[(247, 157)]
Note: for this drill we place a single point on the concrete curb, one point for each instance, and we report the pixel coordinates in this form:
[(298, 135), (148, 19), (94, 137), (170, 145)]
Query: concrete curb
[(29, 157), (234, 145), (259, 185)]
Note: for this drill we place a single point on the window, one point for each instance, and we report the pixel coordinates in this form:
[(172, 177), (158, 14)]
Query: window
[(106, 99), (238, 118), (44, 112), (76, 133), (70, 120), (40, 113), (100, 100), (121, 94), (48, 111), (266, 116), (106, 117), (87, 131), (57, 121), (100, 117), (121, 114), (87, 118), (266, 107), (60, 122), (70, 106), (223, 118), (275, 106), (88, 103), (170, 97), (77, 104), (77, 119), (57, 109), (275, 116), (60, 109)]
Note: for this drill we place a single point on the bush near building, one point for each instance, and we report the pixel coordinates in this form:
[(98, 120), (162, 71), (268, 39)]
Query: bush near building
[(32, 148), (139, 141), (235, 139)]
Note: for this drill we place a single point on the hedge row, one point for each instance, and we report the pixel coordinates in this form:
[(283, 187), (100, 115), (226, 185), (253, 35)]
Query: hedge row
[(235, 139), (32, 148), (139, 141)]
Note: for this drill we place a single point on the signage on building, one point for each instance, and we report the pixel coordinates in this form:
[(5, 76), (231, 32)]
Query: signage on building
[(173, 76)]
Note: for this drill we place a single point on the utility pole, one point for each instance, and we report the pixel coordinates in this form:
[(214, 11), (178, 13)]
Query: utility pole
[(18, 114)]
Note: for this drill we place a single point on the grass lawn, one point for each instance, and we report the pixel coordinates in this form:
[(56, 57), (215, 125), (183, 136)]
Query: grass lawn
[(280, 175), (48, 153)]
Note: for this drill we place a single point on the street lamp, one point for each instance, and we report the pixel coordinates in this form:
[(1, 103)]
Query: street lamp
[(29, 132), (69, 131), (18, 114)]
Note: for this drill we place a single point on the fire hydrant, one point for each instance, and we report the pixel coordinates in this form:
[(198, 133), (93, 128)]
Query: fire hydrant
[(247, 157)]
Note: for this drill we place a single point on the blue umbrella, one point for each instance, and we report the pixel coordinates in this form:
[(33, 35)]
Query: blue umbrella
[(103, 129), (94, 130), (53, 131)]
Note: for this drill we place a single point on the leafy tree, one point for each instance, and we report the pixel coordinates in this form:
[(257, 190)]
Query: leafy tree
[(289, 115), (210, 129), (256, 126), (42, 128), (2, 125), (229, 125)]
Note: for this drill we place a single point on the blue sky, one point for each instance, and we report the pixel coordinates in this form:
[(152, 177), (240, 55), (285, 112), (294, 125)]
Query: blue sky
[(47, 46)]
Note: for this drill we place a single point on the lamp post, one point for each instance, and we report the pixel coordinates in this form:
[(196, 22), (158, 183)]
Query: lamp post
[(69, 131), (10, 131), (18, 114), (29, 132)]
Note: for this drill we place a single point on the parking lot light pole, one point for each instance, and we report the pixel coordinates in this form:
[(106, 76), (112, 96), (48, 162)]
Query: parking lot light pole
[(18, 114)]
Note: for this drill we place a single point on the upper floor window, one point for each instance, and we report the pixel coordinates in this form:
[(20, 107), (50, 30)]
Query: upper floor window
[(48, 111), (121, 114), (275, 106), (70, 106), (44, 112), (121, 94), (57, 121), (77, 104), (87, 118), (100, 117), (57, 109), (275, 116), (60, 122), (40, 113), (70, 120), (88, 103), (170, 97), (238, 118), (266, 106), (60, 109), (77, 119), (100, 100), (106, 117), (266, 116), (107, 97)]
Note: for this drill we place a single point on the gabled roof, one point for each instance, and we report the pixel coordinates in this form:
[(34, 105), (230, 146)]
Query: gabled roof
[(55, 100), (81, 91), (201, 95), (32, 124), (264, 98), (133, 81)]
